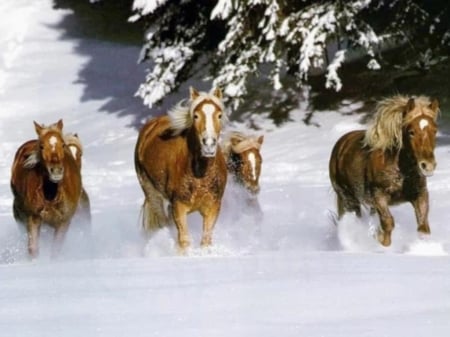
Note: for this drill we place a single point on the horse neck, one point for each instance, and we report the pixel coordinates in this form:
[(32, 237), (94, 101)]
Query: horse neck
[(199, 164), (407, 161), (233, 163)]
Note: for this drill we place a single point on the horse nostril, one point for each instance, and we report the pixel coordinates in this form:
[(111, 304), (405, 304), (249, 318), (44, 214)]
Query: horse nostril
[(209, 141), (423, 165)]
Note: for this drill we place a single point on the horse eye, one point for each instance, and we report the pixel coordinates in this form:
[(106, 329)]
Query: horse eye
[(220, 116), (411, 133), (195, 116)]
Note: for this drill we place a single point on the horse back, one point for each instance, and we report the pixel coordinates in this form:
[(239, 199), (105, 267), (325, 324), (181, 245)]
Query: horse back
[(347, 162), (22, 177)]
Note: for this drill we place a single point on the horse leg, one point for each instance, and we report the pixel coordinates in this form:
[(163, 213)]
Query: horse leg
[(154, 215), (421, 209), (58, 238), (209, 220), (386, 220), (180, 212), (348, 204), (340, 206), (85, 207), (33, 231)]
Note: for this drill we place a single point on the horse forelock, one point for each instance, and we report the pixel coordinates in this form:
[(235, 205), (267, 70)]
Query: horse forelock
[(385, 132), (245, 143), (71, 140)]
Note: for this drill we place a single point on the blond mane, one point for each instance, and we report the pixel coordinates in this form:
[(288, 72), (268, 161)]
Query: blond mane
[(72, 139), (181, 115), (385, 132), (245, 143)]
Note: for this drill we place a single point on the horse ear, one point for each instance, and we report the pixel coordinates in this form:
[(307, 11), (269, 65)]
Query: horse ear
[(410, 105), (60, 124), (193, 93), (261, 139), (217, 92), (434, 105), (37, 127)]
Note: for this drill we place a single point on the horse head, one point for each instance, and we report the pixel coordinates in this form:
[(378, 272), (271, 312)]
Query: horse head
[(244, 160), (419, 133), (76, 148), (51, 149), (207, 113)]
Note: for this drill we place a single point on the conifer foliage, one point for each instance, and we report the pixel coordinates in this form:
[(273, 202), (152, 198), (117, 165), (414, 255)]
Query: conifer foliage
[(234, 40)]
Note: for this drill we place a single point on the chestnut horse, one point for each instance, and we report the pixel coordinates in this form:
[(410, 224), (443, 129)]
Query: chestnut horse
[(46, 185), (388, 163), (76, 148), (244, 161), (179, 164)]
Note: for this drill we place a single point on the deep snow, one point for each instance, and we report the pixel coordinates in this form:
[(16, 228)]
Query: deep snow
[(294, 273)]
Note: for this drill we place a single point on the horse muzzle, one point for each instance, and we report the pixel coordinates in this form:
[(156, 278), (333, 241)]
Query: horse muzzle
[(209, 152), (209, 147), (427, 167), (55, 174)]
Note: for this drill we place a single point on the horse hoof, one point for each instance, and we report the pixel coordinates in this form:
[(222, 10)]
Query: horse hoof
[(183, 248), (205, 243), (384, 238)]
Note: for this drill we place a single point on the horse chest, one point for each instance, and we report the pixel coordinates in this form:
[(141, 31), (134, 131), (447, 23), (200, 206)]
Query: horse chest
[(199, 191)]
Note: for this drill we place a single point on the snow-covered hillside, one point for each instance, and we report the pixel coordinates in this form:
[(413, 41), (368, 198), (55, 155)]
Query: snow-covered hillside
[(294, 273)]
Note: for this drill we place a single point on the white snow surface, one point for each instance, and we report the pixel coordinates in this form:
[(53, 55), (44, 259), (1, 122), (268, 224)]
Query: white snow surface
[(291, 273)]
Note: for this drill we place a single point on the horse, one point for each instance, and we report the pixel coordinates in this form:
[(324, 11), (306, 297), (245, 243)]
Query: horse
[(388, 163), (244, 161), (72, 140), (46, 185), (180, 166)]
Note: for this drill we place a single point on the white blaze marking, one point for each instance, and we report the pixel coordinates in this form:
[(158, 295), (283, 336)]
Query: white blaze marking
[(209, 110), (74, 151), (252, 160), (53, 141), (423, 124)]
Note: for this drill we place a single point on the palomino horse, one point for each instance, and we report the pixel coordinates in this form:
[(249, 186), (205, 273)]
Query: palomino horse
[(388, 163), (46, 184), (76, 148), (178, 162), (243, 157)]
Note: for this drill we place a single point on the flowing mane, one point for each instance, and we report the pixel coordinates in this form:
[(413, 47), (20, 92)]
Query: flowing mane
[(386, 129), (181, 115), (72, 139), (244, 143)]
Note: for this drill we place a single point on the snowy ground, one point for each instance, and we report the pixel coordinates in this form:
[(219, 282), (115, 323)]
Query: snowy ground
[(291, 274)]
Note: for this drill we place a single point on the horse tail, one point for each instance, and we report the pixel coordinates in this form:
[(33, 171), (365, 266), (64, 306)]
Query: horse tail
[(154, 213)]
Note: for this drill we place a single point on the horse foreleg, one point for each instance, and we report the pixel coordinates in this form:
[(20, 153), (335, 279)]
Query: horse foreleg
[(386, 220), (33, 231), (421, 209), (58, 238), (209, 220), (179, 214)]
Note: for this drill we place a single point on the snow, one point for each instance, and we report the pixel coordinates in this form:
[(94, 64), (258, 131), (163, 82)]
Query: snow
[(291, 273)]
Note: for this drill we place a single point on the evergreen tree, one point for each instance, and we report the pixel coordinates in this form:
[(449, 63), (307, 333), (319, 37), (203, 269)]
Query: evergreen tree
[(236, 39)]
